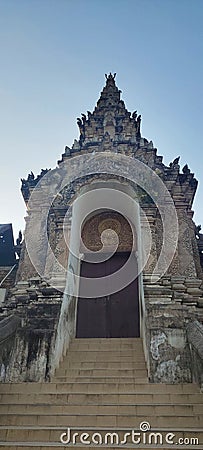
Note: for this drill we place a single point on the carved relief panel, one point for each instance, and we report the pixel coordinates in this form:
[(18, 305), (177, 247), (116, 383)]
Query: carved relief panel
[(106, 230)]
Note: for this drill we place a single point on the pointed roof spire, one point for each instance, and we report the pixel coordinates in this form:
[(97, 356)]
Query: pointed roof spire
[(110, 95), (110, 119)]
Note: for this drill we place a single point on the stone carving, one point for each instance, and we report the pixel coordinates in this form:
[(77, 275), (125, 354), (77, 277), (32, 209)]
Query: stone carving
[(186, 170), (197, 230), (18, 245), (19, 239), (31, 182), (67, 151), (138, 123), (84, 118), (30, 177), (92, 230), (79, 122), (110, 76), (174, 164)]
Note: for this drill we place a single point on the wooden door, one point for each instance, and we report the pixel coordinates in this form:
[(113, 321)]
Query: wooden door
[(116, 315)]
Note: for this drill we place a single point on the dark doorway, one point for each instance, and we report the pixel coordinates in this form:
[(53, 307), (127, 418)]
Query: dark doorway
[(116, 315)]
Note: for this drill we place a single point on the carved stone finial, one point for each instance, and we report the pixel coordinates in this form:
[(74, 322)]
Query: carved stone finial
[(84, 118), (174, 164), (18, 245), (19, 239), (197, 229), (31, 177), (139, 123), (176, 160), (186, 169), (67, 151), (79, 123), (110, 76)]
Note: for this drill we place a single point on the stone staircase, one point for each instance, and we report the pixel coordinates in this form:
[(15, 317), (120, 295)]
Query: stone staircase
[(101, 387)]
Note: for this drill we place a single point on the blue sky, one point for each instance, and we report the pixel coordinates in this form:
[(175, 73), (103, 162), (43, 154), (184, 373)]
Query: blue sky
[(54, 54)]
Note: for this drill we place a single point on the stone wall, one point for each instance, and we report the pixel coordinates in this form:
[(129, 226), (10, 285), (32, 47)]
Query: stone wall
[(27, 353), (169, 308)]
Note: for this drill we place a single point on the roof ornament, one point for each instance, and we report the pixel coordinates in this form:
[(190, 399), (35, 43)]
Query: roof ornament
[(174, 164), (186, 170), (110, 76)]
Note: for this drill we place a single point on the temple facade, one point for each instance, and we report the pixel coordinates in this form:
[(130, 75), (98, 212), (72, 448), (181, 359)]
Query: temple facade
[(110, 250)]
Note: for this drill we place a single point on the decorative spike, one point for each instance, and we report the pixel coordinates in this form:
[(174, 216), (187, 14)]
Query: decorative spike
[(175, 163), (186, 169)]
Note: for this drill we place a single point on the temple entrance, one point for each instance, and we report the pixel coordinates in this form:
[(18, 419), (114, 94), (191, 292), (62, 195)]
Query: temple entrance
[(116, 315)]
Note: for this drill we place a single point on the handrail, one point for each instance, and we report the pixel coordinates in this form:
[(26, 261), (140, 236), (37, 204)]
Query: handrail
[(7, 275)]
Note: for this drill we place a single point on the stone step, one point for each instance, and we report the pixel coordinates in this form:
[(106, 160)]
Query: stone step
[(109, 381), (101, 420), (138, 383), (108, 341), (105, 347), (78, 398), (135, 373), (92, 355), (53, 434), (122, 363), (115, 409), (88, 369), (100, 383), (89, 385)]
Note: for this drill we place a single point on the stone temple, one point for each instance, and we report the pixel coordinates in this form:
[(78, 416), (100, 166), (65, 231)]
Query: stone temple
[(102, 314)]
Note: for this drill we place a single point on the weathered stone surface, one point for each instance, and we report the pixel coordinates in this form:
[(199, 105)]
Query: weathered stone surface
[(170, 357), (27, 352), (8, 326), (48, 315), (195, 338)]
